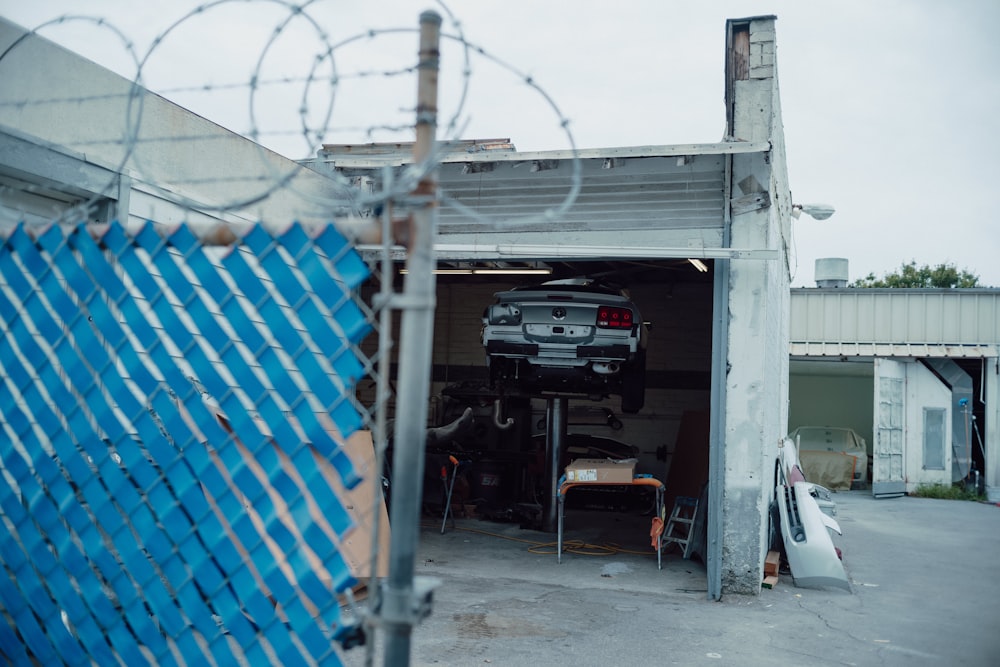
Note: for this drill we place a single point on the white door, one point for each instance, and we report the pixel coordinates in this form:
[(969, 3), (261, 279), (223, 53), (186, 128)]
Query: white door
[(888, 464)]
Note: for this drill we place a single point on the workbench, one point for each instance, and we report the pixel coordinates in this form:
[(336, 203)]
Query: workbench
[(638, 480)]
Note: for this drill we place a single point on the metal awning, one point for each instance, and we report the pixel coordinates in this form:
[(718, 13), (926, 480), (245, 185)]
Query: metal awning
[(907, 350), (640, 188), (376, 156), (868, 322)]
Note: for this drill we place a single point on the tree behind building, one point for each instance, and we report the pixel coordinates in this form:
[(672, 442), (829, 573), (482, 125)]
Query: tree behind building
[(910, 275)]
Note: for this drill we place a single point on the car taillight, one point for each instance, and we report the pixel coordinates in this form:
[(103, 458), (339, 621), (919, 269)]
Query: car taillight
[(610, 317)]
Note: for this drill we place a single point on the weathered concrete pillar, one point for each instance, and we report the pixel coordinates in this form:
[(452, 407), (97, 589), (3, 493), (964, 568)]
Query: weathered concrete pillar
[(756, 393)]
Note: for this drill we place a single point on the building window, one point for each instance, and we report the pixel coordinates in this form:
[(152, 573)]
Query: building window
[(934, 441)]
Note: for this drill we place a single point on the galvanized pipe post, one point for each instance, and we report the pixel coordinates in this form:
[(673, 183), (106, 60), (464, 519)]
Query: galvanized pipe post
[(402, 602), (556, 423)]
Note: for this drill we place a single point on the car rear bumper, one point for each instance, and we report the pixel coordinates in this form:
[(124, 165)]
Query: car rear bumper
[(536, 353)]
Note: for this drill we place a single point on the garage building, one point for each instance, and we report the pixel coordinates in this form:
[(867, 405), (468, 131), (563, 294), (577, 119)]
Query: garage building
[(698, 233), (913, 371)]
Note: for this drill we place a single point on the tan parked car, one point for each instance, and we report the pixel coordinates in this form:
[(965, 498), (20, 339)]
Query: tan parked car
[(835, 439)]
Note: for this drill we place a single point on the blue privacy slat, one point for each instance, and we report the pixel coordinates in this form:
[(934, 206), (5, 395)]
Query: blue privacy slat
[(41, 460), (262, 244), (346, 313), (20, 591), (30, 537), (31, 633), (277, 419), (179, 334), (12, 650), (151, 341), (250, 284), (203, 469), (247, 531), (215, 286), (100, 315), (109, 516), (249, 383), (332, 341), (155, 491), (349, 264), (286, 335), (74, 567), (38, 449), (235, 361)]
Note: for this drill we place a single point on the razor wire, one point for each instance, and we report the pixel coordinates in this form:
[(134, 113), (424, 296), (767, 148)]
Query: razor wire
[(185, 419), (132, 151)]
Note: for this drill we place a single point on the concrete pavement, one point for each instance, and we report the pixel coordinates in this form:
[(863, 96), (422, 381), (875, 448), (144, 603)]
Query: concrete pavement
[(925, 578)]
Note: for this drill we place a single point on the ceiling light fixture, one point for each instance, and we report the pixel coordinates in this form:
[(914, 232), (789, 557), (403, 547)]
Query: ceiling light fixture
[(698, 264), (485, 272), (512, 272), (443, 272)]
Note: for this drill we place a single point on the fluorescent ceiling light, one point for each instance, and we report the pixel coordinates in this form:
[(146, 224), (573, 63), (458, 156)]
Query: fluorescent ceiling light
[(484, 272), (698, 264), (444, 272), (513, 272)]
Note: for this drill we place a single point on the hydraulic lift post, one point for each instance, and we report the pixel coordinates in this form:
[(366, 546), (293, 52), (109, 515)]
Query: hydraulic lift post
[(556, 424)]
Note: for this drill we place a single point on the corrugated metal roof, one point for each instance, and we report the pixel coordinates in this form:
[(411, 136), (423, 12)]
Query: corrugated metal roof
[(615, 194), (628, 188), (895, 322), (641, 203)]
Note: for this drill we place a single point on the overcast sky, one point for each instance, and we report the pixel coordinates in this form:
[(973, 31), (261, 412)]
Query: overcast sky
[(887, 105)]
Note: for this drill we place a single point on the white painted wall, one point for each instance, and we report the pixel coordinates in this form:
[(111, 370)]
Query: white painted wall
[(925, 390), (991, 429)]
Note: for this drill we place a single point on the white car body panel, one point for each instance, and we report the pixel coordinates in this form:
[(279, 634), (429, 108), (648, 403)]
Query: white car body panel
[(811, 555)]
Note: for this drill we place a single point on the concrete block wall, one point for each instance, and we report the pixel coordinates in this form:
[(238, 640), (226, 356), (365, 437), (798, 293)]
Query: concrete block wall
[(762, 54)]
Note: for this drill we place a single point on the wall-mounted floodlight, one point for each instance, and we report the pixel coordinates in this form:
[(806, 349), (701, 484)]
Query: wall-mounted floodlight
[(815, 211)]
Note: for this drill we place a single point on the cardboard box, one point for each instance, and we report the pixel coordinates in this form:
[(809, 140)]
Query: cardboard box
[(601, 471)]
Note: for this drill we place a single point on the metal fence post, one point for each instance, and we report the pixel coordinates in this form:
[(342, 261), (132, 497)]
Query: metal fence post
[(402, 601)]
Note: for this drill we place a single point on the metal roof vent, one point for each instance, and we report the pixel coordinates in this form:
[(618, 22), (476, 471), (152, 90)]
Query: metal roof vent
[(831, 272)]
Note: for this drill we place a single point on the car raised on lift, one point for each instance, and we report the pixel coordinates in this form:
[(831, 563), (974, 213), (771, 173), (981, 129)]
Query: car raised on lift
[(577, 337)]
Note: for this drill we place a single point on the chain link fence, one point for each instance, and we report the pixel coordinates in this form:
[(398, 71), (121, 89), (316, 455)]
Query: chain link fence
[(184, 458)]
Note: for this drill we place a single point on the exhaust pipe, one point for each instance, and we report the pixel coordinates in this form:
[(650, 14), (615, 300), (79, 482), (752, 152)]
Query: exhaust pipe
[(502, 425)]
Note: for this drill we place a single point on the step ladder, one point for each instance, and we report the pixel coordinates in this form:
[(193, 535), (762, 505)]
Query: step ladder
[(680, 525)]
